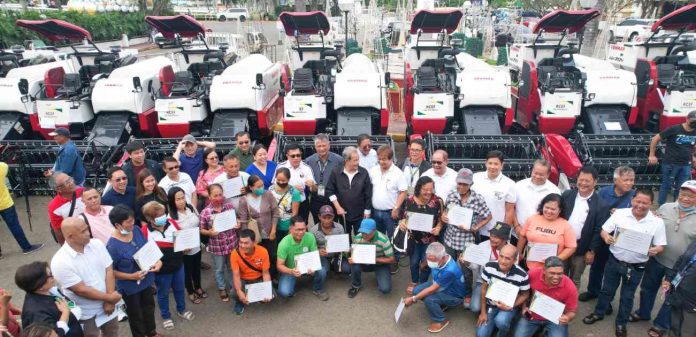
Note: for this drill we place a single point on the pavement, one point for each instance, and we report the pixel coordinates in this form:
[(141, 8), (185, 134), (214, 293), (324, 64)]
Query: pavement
[(368, 314)]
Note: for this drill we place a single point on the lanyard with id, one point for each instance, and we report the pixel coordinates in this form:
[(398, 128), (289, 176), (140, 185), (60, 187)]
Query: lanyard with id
[(321, 189), (411, 185), (680, 275)]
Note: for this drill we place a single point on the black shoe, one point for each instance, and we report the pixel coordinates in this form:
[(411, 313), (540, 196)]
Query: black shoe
[(394, 268), (586, 296), (621, 331), (352, 292), (609, 311), (591, 319), (32, 249)]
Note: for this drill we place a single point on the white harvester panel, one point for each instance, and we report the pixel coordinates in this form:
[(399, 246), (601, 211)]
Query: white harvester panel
[(519, 53), (608, 84), (236, 87), (561, 104), (116, 93), (433, 105), (11, 98), (625, 54), (482, 84), (359, 84)]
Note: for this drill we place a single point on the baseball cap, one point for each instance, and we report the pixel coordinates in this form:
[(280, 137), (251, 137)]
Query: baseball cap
[(501, 230), (367, 226), (189, 139), (60, 131), (465, 176), (690, 184), (691, 117), (326, 210)]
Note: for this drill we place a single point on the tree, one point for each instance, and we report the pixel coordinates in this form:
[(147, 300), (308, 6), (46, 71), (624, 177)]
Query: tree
[(544, 6)]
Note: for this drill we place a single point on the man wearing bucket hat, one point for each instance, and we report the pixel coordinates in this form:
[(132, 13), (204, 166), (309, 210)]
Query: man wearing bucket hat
[(68, 160), (384, 257)]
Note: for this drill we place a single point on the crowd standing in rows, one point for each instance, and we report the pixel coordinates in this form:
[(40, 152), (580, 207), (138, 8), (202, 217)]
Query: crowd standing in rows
[(534, 238)]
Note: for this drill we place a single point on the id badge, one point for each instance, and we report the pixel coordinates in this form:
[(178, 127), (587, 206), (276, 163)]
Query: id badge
[(675, 282), (320, 190)]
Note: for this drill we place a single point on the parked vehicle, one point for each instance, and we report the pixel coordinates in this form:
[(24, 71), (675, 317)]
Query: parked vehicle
[(240, 14), (630, 28)]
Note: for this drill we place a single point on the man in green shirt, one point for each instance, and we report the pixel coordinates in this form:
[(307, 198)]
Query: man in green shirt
[(243, 150), (298, 242), (384, 257)]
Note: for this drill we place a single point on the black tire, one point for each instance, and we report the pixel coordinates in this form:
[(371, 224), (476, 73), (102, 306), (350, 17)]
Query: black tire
[(242, 18), (222, 18), (632, 37)]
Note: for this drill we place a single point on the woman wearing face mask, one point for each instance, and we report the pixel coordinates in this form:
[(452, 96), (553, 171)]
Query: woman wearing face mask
[(260, 205), (135, 285), (146, 190), (221, 244), (162, 230), (261, 166), (211, 170), (287, 199), (187, 217), (43, 302)]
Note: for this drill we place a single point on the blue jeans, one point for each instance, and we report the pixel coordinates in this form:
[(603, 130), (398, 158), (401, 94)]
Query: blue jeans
[(475, 305), (12, 221), (436, 302), (496, 319), (418, 275), (649, 287), (223, 271), (385, 223), (527, 328), (382, 273), (174, 281), (616, 273), (286, 283), (594, 284), (673, 176)]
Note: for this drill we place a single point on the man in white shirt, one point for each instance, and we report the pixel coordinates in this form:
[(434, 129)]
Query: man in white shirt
[(82, 267), (367, 155), (498, 191), (444, 177), (624, 265), (301, 176), (174, 177), (529, 193), (233, 181)]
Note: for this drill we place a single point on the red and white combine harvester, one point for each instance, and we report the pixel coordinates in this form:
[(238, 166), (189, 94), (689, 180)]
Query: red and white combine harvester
[(665, 68)]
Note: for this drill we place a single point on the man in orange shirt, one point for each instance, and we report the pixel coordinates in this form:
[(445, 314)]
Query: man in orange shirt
[(250, 264)]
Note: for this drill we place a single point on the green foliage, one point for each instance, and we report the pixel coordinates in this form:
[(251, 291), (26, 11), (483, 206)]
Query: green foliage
[(502, 56), (102, 26)]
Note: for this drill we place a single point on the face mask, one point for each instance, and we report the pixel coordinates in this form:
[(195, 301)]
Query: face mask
[(259, 191), (686, 209), (216, 202), (55, 292), (124, 232), (282, 185), (433, 265), (161, 220)]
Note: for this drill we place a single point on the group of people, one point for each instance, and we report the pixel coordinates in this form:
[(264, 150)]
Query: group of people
[(534, 238)]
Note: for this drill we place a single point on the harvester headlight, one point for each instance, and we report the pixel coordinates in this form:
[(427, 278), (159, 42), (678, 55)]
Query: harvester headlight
[(591, 96), (461, 97)]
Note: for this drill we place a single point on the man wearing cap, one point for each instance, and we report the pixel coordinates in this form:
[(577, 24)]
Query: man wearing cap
[(68, 159), (529, 193), (499, 236), (679, 143), (192, 160), (327, 227), (680, 227), (384, 257), (243, 149), (443, 176), (137, 162), (445, 290)]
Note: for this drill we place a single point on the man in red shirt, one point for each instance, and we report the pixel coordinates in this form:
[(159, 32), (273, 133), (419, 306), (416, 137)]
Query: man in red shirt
[(551, 282), (66, 203)]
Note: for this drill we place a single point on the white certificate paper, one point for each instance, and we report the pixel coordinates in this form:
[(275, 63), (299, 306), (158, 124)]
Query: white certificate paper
[(257, 292), (337, 243), (308, 261), (538, 252), (420, 222), (478, 254), (546, 307), (232, 187), (147, 256), (188, 238), (502, 291), (103, 318), (364, 254), (633, 241), (460, 217), (225, 221), (399, 310)]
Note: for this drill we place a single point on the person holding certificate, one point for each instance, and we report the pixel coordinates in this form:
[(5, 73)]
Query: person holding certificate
[(136, 285), (287, 198), (250, 264), (222, 243), (384, 257), (328, 227), (233, 181), (637, 235), (298, 242), (423, 201), (499, 236), (162, 230), (259, 205), (445, 290), (560, 301), (494, 312), (547, 233)]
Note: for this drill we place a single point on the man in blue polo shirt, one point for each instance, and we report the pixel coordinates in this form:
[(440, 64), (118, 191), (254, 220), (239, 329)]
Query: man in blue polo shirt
[(68, 160), (445, 290), (120, 192), (191, 161)]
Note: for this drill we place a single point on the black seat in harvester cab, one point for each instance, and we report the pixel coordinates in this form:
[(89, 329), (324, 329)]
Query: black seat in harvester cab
[(71, 85), (215, 62), (7, 63), (426, 79), (303, 81), (665, 74), (183, 83), (105, 62)]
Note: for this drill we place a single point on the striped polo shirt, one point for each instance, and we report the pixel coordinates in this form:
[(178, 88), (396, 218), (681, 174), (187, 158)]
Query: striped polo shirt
[(384, 247), (516, 276)]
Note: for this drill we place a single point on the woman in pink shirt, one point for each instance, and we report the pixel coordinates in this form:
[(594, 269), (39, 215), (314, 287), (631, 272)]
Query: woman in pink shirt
[(546, 228), (211, 169)]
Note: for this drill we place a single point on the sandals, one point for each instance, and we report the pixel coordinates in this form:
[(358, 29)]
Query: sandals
[(655, 332), (168, 324), (187, 315), (634, 317), (201, 293), (224, 296), (195, 298)]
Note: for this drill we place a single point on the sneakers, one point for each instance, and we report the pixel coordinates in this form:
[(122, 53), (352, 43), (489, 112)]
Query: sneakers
[(323, 296), (32, 249), (394, 268), (352, 292), (238, 308)]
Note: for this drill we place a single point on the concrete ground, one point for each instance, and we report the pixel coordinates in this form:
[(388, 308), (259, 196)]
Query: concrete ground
[(368, 314)]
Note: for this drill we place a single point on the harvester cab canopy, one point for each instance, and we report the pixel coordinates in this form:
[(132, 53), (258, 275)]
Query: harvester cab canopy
[(312, 48), (430, 30)]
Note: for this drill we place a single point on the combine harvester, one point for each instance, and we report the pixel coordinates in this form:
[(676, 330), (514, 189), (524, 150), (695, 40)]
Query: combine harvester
[(665, 67)]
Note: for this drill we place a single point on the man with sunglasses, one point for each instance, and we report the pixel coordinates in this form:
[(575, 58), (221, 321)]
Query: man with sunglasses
[(243, 150), (301, 176), (66, 203), (415, 165), (176, 178), (443, 176), (368, 155), (137, 162), (191, 162), (120, 192)]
